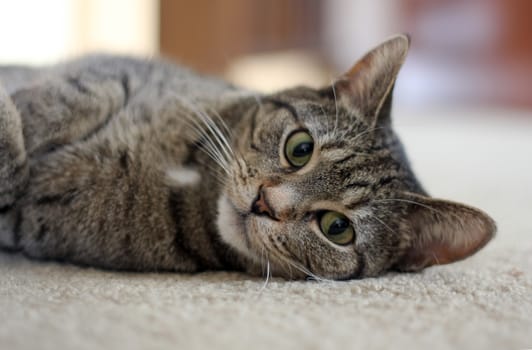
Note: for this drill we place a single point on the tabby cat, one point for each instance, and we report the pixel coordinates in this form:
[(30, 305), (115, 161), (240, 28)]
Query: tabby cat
[(129, 164)]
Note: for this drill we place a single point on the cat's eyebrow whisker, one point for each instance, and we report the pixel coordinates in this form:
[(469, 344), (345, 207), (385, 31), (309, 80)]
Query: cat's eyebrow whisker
[(362, 133), (335, 107), (383, 224), (413, 202), (439, 212)]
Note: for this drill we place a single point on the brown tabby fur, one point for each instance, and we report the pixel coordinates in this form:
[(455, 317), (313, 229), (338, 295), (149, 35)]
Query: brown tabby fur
[(140, 165)]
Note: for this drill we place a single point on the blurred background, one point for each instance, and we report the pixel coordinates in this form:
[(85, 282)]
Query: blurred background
[(464, 52)]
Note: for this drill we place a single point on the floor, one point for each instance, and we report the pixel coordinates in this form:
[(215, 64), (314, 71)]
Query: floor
[(478, 156)]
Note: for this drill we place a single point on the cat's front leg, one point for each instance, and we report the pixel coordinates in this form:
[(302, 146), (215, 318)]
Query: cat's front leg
[(68, 108), (13, 167)]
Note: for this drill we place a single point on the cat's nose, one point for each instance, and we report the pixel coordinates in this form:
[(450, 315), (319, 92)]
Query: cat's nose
[(261, 206)]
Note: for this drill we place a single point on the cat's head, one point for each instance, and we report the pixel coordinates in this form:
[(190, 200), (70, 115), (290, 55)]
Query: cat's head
[(321, 186)]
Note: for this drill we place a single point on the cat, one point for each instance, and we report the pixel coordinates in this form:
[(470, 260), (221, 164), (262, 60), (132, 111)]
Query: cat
[(128, 164)]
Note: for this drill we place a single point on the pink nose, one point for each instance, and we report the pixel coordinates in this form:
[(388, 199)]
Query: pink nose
[(260, 205)]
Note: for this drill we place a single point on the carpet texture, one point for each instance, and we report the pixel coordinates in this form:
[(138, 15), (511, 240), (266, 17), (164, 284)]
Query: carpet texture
[(483, 158)]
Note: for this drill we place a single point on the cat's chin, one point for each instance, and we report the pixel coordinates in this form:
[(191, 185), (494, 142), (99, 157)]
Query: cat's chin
[(232, 228)]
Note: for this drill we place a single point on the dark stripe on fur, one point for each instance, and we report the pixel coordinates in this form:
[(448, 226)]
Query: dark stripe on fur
[(253, 126), (334, 145), (43, 231), (16, 230), (63, 198), (124, 161), (358, 184), (346, 158), (70, 106), (385, 181), (361, 266), (285, 105), (75, 82), (99, 127), (181, 239), (6, 208), (127, 90)]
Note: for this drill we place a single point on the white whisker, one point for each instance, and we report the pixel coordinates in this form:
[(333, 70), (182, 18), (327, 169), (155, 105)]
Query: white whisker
[(335, 107), (280, 253), (383, 223), (268, 276), (222, 136), (215, 131), (215, 143), (365, 132), (411, 202), (222, 121)]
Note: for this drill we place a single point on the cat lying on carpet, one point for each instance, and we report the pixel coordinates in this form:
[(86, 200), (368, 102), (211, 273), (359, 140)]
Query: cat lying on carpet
[(140, 165)]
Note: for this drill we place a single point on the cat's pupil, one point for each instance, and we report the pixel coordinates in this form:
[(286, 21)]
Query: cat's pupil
[(338, 226), (303, 149)]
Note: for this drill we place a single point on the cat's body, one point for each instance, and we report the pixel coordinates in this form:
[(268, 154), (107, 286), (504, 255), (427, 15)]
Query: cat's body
[(110, 188), (127, 164)]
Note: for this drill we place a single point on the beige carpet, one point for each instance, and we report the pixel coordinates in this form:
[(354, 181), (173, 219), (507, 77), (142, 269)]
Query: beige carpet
[(482, 303)]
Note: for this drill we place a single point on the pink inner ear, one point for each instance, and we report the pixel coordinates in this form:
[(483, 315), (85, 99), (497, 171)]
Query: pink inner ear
[(445, 233), (368, 83), (363, 64), (441, 253)]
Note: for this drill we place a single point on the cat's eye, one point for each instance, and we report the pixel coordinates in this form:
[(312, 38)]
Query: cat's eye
[(298, 148), (336, 227)]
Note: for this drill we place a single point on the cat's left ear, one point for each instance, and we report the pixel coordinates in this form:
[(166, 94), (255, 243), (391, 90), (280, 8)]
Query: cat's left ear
[(368, 85), (443, 232)]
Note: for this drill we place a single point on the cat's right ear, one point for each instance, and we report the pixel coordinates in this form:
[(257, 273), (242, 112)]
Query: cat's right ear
[(368, 85), (443, 232)]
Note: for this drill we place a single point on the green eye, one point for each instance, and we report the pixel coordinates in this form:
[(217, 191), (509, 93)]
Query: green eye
[(298, 148), (336, 227)]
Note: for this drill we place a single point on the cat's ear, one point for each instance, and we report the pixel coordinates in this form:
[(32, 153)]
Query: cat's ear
[(368, 85), (443, 232)]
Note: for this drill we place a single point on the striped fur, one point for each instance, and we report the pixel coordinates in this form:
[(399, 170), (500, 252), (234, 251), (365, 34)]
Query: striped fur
[(140, 165)]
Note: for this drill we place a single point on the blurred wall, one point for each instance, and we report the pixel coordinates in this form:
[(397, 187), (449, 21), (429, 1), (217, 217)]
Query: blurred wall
[(464, 52), (467, 52), (474, 51), (38, 32), (209, 34)]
